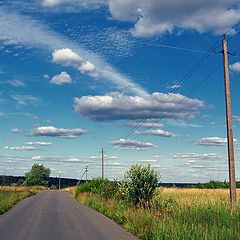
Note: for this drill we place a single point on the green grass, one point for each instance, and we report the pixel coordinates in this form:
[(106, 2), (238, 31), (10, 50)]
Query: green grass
[(192, 214), (11, 195)]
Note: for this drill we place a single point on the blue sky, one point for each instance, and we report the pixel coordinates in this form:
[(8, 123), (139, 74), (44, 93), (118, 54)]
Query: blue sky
[(80, 75)]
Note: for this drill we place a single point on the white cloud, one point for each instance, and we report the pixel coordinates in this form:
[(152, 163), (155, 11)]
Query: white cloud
[(25, 99), (148, 161), (46, 76), (37, 158), (237, 118), (116, 106), (151, 123), (182, 124), (88, 67), (196, 156), (17, 83), (74, 3), (213, 141), (22, 148), (124, 144), (161, 16), (39, 143), (50, 131), (61, 79), (66, 57), (175, 86), (235, 67), (15, 29), (157, 132), (51, 3), (15, 130)]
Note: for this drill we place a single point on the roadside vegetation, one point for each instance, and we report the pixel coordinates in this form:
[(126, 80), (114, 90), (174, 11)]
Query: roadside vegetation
[(36, 180), (11, 195), (150, 212)]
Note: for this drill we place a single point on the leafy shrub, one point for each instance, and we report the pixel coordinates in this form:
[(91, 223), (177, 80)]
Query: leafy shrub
[(138, 185), (103, 187)]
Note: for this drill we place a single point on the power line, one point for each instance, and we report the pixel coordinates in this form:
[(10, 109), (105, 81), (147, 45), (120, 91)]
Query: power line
[(181, 48), (185, 97), (183, 81)]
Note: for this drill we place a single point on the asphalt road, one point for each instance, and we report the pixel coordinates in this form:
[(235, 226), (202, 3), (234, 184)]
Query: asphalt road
[(56, 215)]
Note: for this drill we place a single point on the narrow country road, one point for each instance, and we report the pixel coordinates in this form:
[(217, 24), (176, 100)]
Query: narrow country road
[(55, 215)]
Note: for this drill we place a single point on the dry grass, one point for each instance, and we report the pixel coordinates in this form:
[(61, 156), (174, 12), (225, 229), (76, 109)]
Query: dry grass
[(193, 214), (199, 197), (11, 195)]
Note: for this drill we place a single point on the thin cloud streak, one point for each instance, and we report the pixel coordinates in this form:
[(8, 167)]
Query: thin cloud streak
[(18, 29)]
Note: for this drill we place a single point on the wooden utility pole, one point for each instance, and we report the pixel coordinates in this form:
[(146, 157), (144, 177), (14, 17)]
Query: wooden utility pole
[(102, 163), (86, 170), (59, 181), (231, 164)]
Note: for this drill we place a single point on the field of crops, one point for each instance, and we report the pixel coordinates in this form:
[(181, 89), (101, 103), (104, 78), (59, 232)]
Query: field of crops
[(178, 214), (11, 195)]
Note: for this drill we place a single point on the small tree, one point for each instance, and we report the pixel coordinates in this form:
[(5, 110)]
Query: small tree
[(38, 175), (139, 184)]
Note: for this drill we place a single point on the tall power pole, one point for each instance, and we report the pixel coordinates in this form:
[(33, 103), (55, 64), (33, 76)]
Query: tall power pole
[(231, 164), (86, 170), (102, 152), (59, 181)]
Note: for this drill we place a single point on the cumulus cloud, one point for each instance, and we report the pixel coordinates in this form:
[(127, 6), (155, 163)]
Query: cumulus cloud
[(66, 57), (235, 67), (151, 123), (157, 132), (88, 67), (22, 148), (50, 131), (15, 130), (61, 79), (37, 158), (15, 29), (39, 143), (213, 141), (116, 106), (123, 144), (160, 16)]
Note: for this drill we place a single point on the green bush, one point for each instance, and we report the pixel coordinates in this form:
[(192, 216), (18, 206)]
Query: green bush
[(138, 185), (103, 187)]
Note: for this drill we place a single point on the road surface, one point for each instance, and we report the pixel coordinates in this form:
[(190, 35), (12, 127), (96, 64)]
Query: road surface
[(56, 215)]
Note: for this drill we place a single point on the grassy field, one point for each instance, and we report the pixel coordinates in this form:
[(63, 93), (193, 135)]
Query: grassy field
[(178, 214), (11, 195)]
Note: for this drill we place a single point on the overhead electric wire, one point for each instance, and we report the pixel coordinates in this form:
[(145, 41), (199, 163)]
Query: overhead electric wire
[(185, 97), (183, 81)]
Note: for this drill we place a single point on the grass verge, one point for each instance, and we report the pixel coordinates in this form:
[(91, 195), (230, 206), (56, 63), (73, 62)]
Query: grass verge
[(192, 214), (11, 195)]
